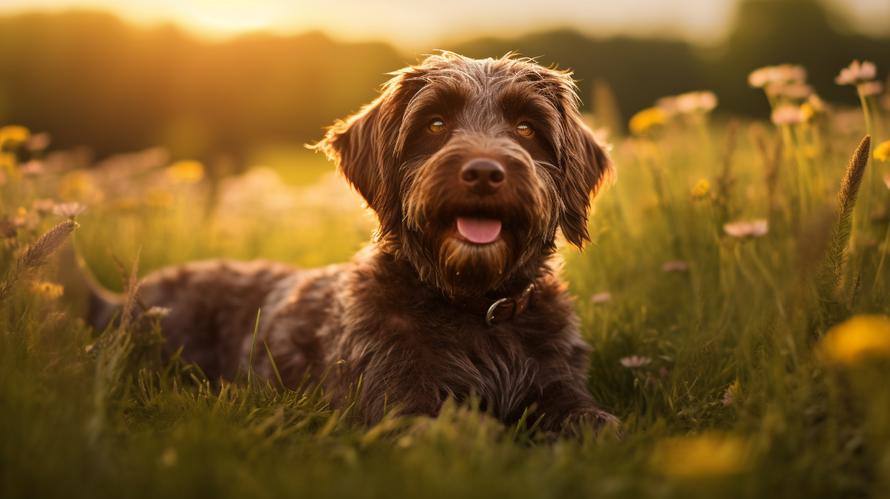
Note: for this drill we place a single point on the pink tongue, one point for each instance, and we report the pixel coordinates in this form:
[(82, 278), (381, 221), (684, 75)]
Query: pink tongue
[(479, 230)]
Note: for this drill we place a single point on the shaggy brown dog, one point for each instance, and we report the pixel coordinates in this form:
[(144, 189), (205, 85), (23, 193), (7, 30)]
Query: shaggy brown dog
[(471, 167)]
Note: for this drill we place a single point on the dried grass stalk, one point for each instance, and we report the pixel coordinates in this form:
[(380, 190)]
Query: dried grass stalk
[(36, 254), (830, 276)]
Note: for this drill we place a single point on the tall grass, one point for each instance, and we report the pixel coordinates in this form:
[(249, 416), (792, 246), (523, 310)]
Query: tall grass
[(704, 294)]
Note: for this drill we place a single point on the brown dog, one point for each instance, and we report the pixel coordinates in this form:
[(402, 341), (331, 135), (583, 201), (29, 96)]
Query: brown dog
[(471, 166)]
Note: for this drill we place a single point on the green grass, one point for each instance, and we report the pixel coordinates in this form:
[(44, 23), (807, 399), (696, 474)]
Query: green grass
[(735, 400)]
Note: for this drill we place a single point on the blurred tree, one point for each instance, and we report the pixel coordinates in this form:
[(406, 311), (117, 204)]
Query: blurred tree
[(88, 78)]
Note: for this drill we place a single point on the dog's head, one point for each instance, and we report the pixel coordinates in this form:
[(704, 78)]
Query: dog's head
[(471, 166)]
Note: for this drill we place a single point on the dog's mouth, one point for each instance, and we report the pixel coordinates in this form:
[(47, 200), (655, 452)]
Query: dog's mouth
[(478, 230)]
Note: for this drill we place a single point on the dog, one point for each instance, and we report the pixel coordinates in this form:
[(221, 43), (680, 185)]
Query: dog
[(471, 166)]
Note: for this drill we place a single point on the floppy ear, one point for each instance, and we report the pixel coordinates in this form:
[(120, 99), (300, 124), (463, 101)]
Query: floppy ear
[(352, 144), (363, 148), (584, 164)]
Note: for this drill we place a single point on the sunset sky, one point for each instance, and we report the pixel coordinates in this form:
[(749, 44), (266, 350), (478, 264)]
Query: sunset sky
[(422, 21)]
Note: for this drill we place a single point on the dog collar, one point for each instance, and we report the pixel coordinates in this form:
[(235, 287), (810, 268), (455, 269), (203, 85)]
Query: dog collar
[(501, 309)]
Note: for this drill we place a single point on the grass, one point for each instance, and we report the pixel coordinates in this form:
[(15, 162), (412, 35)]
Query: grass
[(714, 365)]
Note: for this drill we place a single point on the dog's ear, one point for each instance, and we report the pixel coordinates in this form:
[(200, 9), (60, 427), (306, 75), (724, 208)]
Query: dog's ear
[(352, 144), (363, 146), (583, 162)]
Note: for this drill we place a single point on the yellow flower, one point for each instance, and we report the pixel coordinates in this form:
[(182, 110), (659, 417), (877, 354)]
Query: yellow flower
[(646, 120), (699, 456), (855, 339), (13, 135), (808, 112), (185, 172), (701, 189), (882, 151), (47, 289)]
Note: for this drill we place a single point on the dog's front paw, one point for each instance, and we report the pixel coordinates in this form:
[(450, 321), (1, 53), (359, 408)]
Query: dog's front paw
[(593, 419)]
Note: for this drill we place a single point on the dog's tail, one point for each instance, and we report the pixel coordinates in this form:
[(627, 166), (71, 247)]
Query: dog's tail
[(101, 304)]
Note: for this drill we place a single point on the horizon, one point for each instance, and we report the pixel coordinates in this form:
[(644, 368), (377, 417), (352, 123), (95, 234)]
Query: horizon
[(699, 21)]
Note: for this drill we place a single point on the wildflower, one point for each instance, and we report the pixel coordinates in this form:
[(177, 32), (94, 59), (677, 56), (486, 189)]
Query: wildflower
[(746, 229), (731, 394), (700, 456), (690, 102), (46, 289), (859, 337), (870, 88), (603, 297), (675, 266), (816, 104), (857, 72), (185, 172), (784, 73), (701, 189), (635, 361), (157, 312), (646, 120), (882, 151), (69, 210), (794, 90), (787, 114), (12, 136), (38, 142)]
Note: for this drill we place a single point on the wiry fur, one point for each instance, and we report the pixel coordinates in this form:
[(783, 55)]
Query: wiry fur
[(390, 317)]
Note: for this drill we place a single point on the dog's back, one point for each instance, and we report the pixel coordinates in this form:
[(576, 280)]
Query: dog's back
[(207, 308)]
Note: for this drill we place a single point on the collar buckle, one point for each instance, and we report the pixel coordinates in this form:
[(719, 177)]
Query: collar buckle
[(489, 315)]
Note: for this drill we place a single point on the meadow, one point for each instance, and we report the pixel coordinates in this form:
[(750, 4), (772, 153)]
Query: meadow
[(735, 294)]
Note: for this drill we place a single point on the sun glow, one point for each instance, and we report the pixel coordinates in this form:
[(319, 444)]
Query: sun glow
[(228, 17)]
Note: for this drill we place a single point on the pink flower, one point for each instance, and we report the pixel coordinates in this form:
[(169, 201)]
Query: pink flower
[(746, 229), (69, 210), (794, 90), (691, 102), (784, 73), (857, 72), (635, 361), (603, 297), (787, 114)]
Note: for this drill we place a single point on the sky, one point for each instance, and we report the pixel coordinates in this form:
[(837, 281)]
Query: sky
[(420, 22)]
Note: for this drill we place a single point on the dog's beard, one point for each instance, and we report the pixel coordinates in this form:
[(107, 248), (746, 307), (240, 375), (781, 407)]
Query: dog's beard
[(467, 268)]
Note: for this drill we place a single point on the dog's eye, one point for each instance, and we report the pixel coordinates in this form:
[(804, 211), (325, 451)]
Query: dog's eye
[(436, 126), (525, 130)]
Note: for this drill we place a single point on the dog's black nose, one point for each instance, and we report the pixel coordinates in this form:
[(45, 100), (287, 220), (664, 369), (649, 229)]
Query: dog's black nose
[(483, 176)]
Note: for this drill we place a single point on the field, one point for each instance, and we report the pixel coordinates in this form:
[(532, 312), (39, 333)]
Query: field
[(735, 294)]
